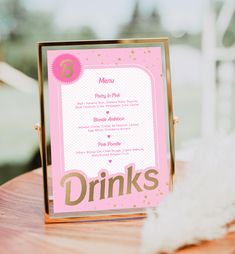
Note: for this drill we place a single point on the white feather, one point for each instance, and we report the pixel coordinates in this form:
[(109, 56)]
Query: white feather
[(202, 203)]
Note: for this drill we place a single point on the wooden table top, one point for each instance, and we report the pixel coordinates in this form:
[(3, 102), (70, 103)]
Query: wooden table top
[(22, 228)]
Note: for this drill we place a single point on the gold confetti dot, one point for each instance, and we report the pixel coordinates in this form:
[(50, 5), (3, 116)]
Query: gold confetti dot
[(132, 52), (145, 196), (134, 205), (119, 59)]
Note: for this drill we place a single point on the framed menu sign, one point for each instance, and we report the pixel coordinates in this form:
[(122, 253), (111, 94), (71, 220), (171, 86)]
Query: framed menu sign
[(109, 129)]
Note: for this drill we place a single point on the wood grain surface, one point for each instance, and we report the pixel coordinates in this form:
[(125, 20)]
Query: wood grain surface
[(22, 229)]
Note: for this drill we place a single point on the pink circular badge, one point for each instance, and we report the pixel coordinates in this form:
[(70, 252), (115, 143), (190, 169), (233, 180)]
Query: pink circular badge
[(66, 68)]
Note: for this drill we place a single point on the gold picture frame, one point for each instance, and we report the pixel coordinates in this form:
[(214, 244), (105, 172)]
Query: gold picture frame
[(41, 128)]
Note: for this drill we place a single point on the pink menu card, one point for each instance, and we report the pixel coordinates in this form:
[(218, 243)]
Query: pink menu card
[(107, 126)]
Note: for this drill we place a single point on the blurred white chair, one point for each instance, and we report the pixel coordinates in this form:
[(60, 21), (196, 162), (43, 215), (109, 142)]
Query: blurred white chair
[(15, 78)]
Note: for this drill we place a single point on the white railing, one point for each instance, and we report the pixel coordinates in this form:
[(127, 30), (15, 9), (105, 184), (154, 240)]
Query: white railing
[(216, 105)]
